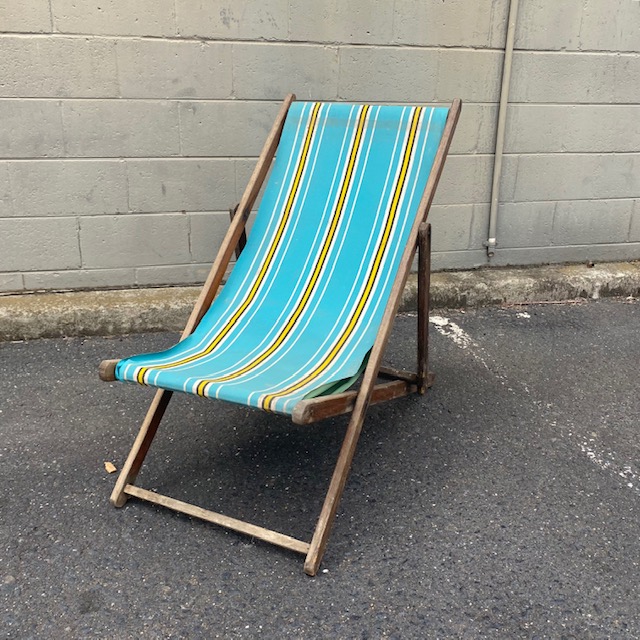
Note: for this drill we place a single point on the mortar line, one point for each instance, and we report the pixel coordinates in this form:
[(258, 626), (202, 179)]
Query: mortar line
[(321, 43), (484, 154), (467, 104), (222, 40)]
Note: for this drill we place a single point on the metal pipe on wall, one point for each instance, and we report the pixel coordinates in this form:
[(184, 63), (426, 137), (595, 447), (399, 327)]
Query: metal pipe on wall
[(491, 242)]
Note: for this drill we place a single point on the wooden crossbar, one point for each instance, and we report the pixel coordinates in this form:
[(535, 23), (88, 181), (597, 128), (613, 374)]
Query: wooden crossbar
[(315, 409), (274, 537)]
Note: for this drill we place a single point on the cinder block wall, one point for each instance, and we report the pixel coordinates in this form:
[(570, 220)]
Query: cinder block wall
[(127, 129)]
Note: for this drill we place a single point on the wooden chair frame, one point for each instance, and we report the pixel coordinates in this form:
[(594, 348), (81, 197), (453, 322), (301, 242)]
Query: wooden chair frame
[(399, 383)]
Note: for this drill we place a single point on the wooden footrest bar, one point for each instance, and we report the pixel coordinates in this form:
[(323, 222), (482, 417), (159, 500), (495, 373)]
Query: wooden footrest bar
[(217, 518)]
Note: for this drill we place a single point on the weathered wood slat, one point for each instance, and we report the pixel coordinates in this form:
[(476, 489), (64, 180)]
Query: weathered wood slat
[(397, 374), (314, 409), (424, 281), (217, 518)]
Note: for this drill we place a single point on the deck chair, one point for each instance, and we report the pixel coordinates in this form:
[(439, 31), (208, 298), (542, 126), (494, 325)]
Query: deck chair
[(309, 305)]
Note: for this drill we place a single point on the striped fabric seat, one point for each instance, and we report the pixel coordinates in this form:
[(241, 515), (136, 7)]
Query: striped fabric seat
[(302, 307)]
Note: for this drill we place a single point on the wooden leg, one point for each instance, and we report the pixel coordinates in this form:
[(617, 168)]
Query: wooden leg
[(424, 281), (140, 446), (336, 487)]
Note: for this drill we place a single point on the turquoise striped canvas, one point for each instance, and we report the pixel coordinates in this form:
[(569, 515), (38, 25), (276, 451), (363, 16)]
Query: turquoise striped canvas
[(303, 304)]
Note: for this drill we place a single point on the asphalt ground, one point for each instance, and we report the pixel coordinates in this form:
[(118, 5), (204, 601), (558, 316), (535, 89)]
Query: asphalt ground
[(503, 504)]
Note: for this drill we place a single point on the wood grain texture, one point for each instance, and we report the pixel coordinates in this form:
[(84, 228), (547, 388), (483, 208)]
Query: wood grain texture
[(107, 370), (424, 281), (315, 409), (241, 526), (140, 446)]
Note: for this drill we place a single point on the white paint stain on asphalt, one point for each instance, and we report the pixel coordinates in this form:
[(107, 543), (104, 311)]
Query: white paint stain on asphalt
[(455, 332), (605, 461), (452, 330)]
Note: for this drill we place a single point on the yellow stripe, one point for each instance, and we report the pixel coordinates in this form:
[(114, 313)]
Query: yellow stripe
[(266, 262), (200, 388), (286, 330), (268, 400)]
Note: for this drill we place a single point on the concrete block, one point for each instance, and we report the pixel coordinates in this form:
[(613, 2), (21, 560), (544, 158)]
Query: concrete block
[(6, 199), (121, 128), (451, 226), (207, 229), (11, 282), (610, 28), (588, 78), (476, 130), (528, 224), (528, 178), (134, 240), (442, 260), (58, 67), (113, 17), (548, 25), (270, 71), (591, 25), (233, 19), (435, 23), (577, 253), (30, 128), (336, 21), (27, 16), (172, 274), (181, 185), (407, 75), (231, 128), (470, 75), (31, 244), (465, 180), (634, 228), (163, 69), (626, 85), (402, 75), (78, 279), (62, 187), (575, 128), (592, 221)]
